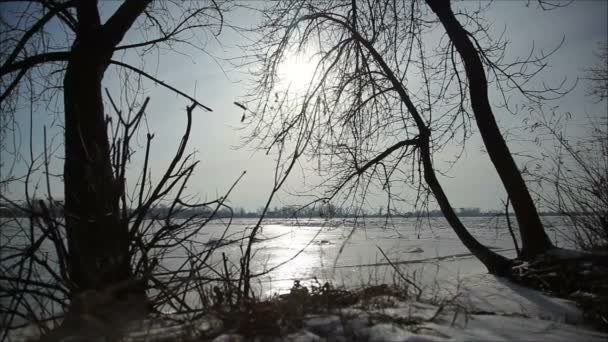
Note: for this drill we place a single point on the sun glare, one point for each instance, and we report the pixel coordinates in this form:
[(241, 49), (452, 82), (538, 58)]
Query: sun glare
[(296, 72)]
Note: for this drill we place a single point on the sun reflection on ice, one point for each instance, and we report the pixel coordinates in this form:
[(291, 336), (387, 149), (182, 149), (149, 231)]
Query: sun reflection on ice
[(303, 250)]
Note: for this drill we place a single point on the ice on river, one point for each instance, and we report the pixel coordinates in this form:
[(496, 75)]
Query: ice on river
[(348, 254)]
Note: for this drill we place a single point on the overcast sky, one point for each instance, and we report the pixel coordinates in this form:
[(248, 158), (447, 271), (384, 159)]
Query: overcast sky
[(472, 183)]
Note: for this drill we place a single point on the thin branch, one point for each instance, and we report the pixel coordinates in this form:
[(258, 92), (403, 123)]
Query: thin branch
[(145, 74)]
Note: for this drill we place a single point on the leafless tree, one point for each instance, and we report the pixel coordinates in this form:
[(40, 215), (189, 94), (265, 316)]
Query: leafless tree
[(395, 83), (166, 256), (573, 170), (598, 75), (534, 238), (65, 48), (109, 231)]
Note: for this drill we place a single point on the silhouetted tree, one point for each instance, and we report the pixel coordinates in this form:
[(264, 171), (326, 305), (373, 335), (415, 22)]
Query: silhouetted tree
[(573, 176), (65, 45), (534, 239), (388, 93)]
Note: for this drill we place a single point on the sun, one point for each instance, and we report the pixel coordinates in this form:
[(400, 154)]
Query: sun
[(296, 72)]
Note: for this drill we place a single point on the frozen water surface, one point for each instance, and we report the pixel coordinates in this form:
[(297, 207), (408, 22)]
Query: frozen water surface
[(348, 254)]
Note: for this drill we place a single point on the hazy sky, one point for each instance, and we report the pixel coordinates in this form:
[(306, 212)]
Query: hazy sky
[(472, 183)]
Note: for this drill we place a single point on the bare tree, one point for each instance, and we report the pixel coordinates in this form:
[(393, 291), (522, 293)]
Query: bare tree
[(166, 256), (573, 172), (111, 234), (534, 239), (65, 46), (598, 75), (388, 93)]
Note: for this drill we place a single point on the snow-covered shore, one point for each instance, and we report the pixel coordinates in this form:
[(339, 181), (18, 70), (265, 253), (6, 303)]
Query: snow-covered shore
[(484, 308), (479, 308), (460, 301)]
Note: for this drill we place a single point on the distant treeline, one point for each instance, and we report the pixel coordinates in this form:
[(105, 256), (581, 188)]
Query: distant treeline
[(325, 211)]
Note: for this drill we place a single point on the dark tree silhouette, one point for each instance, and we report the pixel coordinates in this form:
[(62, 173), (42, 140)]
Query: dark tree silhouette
[(534, 239), (65, 45), (389, 93)]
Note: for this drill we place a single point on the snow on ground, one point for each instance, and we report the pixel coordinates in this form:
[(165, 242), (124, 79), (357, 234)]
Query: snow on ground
[(493, 309), (487, 308), (485, 292), (477, 306)]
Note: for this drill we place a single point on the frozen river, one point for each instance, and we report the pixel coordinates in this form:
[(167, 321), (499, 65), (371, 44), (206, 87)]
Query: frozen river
[(347, 253), (336, 251)]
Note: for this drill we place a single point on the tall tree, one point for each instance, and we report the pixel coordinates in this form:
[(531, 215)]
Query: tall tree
[(387, 93), (67, 39), (534, 239)]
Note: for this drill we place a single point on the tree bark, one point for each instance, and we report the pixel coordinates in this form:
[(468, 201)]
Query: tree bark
[(494, 262), (534, 239), (98, 239)]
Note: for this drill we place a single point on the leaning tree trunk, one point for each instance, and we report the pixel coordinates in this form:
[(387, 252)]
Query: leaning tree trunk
[(495, 263), (534, 239), (97, 239)]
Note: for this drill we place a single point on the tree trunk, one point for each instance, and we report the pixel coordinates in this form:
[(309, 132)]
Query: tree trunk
[(494, 262), (97, 239), (534, 239)]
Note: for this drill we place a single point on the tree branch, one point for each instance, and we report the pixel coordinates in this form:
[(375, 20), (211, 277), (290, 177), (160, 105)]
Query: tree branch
[(33, 29), (117, 26), (145, 74), (13, 84), (64, 15), (88, 17), (34, 60), (386, 153)]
